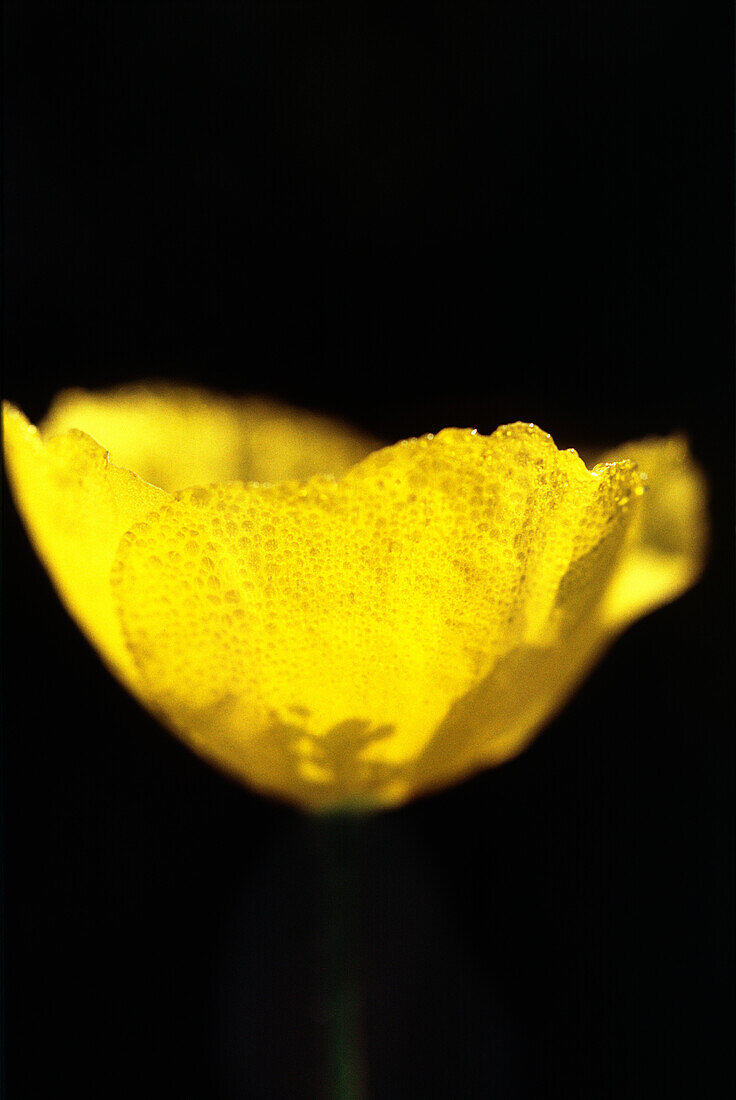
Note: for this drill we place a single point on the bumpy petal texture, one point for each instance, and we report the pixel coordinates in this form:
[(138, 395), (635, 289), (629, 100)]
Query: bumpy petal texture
[(357, 637)]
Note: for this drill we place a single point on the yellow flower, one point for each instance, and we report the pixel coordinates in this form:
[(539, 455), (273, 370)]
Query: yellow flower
[(335, 624)]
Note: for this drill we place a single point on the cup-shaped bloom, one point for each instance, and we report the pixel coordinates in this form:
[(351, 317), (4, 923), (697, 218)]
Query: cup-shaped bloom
[(332, 622)]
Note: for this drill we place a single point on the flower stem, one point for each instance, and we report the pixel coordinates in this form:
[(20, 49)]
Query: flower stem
[(337, 835)]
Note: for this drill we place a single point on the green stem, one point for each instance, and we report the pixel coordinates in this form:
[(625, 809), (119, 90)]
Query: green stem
[(337, 836)]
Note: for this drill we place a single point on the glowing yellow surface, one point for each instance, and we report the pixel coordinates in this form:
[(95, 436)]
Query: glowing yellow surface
[(174, 436), (349, 639), (76, 504), (667, 546)]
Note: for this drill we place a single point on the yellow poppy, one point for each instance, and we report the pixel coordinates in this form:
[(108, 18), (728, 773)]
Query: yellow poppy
[(336, 623)]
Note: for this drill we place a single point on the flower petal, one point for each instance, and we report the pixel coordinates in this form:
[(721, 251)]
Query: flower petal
[(76, 505), (315, 638), (666, 547), (174, 435)]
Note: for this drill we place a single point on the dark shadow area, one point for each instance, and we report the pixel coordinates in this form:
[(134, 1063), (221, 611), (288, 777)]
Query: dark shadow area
[(429, 1026)]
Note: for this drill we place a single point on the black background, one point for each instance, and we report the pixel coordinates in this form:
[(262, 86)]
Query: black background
[(411, 217)]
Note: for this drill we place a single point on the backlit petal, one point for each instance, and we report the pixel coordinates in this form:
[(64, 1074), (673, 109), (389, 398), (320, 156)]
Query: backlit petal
[(666, 547), (316, 637), (76, 505), (404, 618), (175, 436)]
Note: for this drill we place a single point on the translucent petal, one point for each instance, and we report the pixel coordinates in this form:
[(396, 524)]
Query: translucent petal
[(666, 548), (175, 436), (76, 505), (315, 638), (356, 638)]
